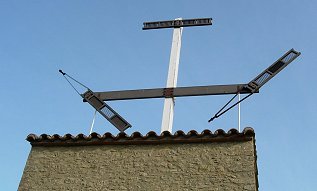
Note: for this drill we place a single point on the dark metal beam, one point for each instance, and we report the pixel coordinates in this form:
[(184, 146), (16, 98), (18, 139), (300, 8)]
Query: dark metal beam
[(177, 23), (172, 92)]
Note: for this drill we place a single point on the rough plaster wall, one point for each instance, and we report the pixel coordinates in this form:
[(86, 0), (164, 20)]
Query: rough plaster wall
[(208, 166)]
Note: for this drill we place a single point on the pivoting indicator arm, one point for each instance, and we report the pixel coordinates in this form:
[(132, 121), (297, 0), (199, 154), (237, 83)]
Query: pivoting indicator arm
[(255, 84), (104, 109), (272, 70)]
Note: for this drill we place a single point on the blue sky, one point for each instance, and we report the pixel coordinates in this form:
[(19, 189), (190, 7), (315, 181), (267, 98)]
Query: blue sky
[(101, 44)]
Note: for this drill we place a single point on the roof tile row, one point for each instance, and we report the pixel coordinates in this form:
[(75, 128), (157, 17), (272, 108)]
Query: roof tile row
[(137, 138)]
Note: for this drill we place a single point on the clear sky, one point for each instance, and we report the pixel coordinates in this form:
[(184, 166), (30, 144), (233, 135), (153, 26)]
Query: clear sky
[(101, 43)]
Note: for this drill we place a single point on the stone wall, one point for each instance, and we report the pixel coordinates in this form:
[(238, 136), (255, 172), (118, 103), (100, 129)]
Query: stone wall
[(182, 166)]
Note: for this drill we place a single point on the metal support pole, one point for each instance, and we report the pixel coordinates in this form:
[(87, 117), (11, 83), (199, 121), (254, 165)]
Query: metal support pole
[(239, 110), (93, 122), (168, 111)]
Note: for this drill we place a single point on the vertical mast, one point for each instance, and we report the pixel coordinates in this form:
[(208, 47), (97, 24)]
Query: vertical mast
[(177, 24), (169, 103)]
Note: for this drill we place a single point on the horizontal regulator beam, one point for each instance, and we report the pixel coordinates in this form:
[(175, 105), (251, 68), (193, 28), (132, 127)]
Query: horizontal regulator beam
[(173, 92)]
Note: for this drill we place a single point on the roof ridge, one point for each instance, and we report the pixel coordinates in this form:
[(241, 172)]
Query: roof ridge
[(246, 131), (137, 138)]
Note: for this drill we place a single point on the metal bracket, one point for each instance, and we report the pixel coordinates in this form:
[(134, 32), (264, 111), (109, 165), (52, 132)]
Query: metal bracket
[(168, 92)]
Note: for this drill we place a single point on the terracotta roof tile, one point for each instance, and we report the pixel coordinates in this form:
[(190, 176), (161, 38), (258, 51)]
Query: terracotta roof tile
[(137, 138)]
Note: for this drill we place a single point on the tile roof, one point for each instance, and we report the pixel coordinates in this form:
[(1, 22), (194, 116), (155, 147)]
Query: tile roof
[(137, 138)]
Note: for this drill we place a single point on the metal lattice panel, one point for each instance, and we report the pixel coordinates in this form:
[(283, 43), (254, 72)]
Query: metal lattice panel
[(262, 79), (108, 113)]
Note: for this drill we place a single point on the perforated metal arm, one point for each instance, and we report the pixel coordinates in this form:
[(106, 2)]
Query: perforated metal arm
[(105, 110), (272, 70), (254, 85)]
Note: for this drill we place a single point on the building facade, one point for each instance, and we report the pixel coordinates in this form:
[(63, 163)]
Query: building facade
[(183, 161)]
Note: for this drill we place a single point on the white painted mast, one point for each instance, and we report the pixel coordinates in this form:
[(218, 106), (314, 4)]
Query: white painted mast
[(169, 103)]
